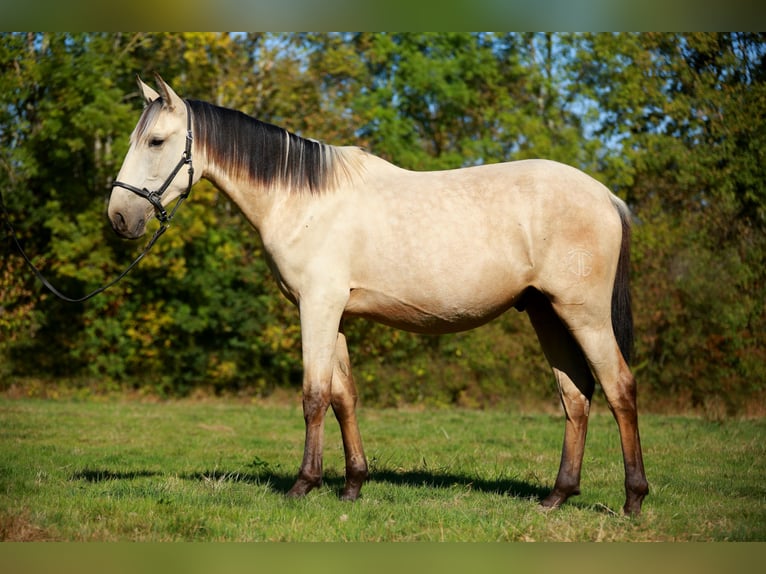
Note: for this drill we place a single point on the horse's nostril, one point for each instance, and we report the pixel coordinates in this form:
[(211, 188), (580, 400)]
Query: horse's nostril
[(118, 222)]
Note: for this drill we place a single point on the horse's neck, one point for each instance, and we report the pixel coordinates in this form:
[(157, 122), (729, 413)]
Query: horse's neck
[(255, 204)]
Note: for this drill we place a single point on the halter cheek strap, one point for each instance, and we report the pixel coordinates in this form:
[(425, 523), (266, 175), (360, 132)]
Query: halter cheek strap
[(155, 197)]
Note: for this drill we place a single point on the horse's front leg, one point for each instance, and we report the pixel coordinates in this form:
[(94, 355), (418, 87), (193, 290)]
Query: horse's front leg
[(319, 332), (315, 405)]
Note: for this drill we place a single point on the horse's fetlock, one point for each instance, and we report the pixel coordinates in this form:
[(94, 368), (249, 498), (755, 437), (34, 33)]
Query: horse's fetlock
[(637, 487)]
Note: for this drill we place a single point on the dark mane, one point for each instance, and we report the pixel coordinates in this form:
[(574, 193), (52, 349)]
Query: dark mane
[(263, 153)]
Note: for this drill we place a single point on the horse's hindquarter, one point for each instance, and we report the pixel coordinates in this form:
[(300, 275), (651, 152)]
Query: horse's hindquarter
[(447, 251)]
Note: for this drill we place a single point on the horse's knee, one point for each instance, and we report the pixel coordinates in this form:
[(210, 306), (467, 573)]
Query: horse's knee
[(315, 405)]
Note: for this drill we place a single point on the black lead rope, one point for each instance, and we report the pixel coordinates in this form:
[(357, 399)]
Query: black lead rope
[(153, 197), (49, 285)]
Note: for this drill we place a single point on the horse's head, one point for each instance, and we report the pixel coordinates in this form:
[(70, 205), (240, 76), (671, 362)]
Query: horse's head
[(151, 176)]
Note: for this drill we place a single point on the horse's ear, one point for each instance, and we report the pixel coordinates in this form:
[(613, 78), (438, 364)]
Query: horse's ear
[(169, 97), (147, 92)]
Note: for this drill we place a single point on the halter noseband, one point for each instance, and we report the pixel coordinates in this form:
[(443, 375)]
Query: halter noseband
[(155, 197)]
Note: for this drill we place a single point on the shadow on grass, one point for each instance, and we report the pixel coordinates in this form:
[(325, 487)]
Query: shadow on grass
[(280, 482), (101, 475), (436, 479)]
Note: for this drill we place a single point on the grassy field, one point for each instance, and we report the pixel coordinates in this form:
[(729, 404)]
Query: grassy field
[(123, 470)]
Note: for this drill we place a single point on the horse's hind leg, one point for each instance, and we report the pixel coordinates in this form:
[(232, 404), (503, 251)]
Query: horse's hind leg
[(343, 403), (620, 390), (613, 374), (576, 385)]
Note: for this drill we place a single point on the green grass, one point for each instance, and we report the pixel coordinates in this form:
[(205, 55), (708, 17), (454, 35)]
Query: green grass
[(218, 470)]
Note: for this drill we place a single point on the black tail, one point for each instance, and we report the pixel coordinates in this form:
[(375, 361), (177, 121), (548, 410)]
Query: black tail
[(622, 312)]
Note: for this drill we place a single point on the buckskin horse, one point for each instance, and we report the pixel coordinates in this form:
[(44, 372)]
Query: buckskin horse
[(348, 234)]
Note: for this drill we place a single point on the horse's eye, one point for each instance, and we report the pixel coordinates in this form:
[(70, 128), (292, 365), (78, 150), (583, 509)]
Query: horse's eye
[(156, 142)]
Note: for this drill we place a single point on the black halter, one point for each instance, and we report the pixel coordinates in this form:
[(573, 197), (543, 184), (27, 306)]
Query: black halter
[(155, 197)]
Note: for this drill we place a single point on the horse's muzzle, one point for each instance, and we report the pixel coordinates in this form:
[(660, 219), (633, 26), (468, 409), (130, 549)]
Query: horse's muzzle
[(124, 229)]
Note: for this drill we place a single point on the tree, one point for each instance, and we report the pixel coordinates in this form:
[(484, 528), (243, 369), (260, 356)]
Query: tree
[(684, 116), (673, 123), (61, 112)]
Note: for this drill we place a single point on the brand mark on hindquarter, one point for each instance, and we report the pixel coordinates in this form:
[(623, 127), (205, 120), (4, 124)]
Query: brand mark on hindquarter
[(579, 262)]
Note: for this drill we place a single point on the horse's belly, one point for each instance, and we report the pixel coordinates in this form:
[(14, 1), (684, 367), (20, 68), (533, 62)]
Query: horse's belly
[(425, 316)]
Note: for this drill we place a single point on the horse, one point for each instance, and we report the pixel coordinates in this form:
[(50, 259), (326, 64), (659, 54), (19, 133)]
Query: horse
[(348, 234)]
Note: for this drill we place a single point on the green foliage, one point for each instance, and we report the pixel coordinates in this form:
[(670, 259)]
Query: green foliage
[(674, 123)]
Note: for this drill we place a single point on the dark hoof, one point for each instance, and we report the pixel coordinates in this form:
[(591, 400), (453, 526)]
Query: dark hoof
[(635, 491), (633, 505), (557, 498), (354, 481), (351, 492), (302, 487)]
